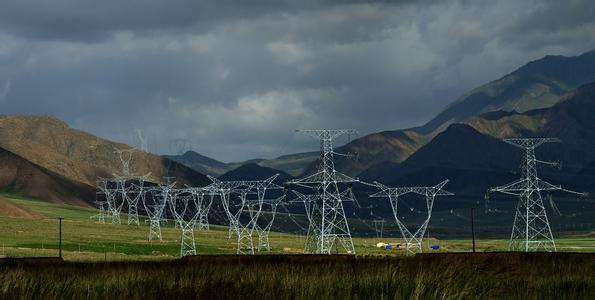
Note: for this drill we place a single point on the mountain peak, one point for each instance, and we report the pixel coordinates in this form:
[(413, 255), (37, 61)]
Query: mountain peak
[(537, 84)]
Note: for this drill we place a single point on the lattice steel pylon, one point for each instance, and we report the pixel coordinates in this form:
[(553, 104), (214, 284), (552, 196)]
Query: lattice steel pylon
[(379, 227), (328, 221), (114, 207), (264, 231), (203, 218), (531, 229), (186, 206), (412, 240), (125, 156), (154, 206), (100, 216), (130, 187), (244, 230)]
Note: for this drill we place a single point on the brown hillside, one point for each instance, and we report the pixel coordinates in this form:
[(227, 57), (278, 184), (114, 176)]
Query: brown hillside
[(77, 155), (393, 146), (21, 176)]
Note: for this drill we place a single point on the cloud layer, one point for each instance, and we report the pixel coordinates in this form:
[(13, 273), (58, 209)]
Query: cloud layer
[(236, 80)]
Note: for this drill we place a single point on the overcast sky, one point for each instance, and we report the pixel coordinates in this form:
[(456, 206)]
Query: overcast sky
[(236, 80)]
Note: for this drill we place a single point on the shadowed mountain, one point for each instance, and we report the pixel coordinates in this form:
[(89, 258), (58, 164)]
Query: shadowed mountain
[(472, 161), (201, 163), (570, 120), (17, 175), (292, 164), (255, 172), (538, 84)]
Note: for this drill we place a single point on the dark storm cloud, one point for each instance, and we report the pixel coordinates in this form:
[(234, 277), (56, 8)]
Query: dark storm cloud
[(93, 21), (236, 79)]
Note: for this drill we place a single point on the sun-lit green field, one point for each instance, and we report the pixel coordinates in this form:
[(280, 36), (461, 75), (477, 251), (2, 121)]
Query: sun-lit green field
[(86, 240)]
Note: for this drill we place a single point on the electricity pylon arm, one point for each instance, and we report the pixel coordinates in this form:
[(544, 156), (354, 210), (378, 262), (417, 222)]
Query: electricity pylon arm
[(546, 186), (530, 142), (514, 188), (326, 134), (319, 177)]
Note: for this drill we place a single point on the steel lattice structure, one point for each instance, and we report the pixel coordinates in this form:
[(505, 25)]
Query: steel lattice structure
[(328, 221), (109, 190), (154, 200), (414, 239), (203, 218), (379, 227), (100, 216), (531, 230), (186, 205), (256, 188), (121, 189), (264, 231), (125, 156)]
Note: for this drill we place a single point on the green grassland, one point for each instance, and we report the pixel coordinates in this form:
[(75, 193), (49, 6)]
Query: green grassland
[(106, 261), (86, 240)]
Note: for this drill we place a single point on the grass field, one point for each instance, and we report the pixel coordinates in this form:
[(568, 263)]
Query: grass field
[(85, 240), (429, 276), (105, 261)]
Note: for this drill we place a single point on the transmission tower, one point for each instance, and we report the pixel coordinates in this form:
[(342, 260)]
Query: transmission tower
[(130, 186), (244, 188), (143, 141), (531, 230), (263, 232), (125, 156), (413, 239), (328, 221), (379, 227), (179, 146), (186, 205), (154, 200), (109, 189), (203, 218), (100, 216)]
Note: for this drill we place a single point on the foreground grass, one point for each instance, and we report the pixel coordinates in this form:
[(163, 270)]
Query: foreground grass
[(431, 276)]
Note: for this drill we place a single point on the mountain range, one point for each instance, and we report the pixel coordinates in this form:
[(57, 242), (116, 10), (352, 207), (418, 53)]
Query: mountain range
[(42, 157), (536, 85)]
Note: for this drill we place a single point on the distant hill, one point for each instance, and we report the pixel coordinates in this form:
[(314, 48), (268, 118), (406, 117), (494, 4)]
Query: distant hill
[(77, 155), (17, 175), (472, 157), (255, 172), (538, 84), (570, 120), (471, 160), (201, 163), (293, 164)]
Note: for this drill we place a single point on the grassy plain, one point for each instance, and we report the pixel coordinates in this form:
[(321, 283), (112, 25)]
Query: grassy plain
[(105, 261), (86, 240)]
